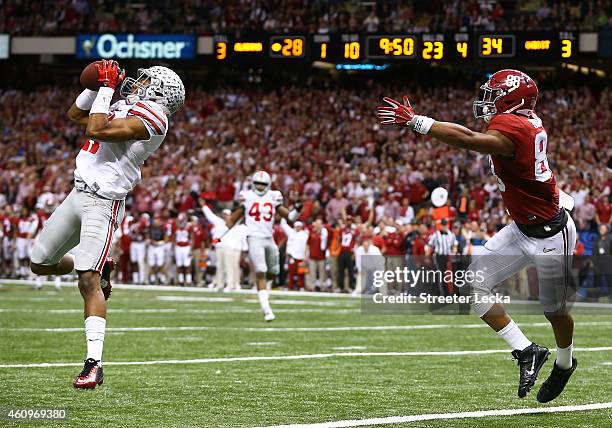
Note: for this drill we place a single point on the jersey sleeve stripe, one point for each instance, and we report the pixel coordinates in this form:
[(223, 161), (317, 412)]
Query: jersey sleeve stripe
[(148, 119), (150, 110)]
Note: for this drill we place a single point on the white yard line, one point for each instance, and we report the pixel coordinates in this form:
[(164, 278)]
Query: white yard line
[(173, 288), (290, 357), (237, 310), (295, 329), (437, 416)]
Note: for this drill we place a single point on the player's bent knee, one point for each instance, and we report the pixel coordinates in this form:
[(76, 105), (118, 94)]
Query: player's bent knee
[(40, 258)]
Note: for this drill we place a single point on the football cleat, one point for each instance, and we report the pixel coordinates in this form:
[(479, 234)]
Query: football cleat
[(554, 385), (91, 375), (269, 317), (530, 361), (107, 288)]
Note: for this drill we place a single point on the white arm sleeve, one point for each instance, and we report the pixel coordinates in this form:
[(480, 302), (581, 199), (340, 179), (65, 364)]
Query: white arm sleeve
[(286, 228)]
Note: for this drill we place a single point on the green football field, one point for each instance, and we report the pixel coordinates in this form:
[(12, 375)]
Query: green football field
[(185, 358)]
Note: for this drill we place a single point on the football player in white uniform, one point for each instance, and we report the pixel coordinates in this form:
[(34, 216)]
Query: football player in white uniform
[(259, 207), (119, 138)]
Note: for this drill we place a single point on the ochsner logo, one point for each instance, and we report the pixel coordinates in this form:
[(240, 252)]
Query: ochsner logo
[(113, 46)]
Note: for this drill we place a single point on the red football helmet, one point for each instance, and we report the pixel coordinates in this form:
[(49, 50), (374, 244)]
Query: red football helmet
[(505, 92)]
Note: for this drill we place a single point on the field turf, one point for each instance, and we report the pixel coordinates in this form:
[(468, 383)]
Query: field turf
[(343, 366)]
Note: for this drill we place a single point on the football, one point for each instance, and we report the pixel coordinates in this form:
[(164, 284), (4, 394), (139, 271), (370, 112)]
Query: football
[(89, 77)]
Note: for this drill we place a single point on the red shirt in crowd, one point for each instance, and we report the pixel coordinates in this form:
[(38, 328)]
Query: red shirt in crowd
[(347, 240), (418, 246), (393, 244), (314, 245), (479, 195)]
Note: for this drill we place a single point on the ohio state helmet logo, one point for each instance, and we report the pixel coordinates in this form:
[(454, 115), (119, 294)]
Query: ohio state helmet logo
[(513, 81)]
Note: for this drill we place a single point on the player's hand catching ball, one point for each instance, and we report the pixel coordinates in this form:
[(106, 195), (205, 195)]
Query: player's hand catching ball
[(109, 73), (395, 113)]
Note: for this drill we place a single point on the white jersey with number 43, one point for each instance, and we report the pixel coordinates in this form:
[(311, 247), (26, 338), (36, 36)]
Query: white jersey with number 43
[(112, 170), (259, 211)]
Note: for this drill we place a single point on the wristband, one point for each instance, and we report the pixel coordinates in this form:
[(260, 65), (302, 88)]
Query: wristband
[(102, 102), (293, 215), (421, 124), (86, 99)]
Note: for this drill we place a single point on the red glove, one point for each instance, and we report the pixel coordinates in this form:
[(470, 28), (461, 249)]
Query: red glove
[(109, 73), (395, 113)]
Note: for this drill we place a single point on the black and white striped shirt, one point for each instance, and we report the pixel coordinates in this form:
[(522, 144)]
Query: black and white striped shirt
[(442, 242)]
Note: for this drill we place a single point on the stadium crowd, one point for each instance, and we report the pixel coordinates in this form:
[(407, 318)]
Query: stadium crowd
[(365, 190), (203, 17)]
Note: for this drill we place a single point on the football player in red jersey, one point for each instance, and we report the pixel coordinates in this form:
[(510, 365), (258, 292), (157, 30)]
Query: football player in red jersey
[(542, 231)]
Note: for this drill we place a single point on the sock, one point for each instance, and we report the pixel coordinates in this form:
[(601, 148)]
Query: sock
[(514, 337), (188, 278), (181, 278), (564, 357), (39, 282), (94, 333), (163, 278), (58, 282), (135, 277), (264, 301)]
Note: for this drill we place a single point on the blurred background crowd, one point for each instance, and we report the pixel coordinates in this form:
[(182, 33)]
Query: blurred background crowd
[(205, 17), (363, 188)]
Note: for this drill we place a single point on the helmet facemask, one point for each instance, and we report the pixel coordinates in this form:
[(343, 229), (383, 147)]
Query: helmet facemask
[(260, 188), (144, 87), (485, 108)]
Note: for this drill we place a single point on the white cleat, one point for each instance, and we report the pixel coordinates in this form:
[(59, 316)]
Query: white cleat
[(269, 317)]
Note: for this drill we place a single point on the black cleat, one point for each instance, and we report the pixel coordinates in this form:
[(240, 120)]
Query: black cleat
[(530, 361), (105, 284), (91, 375), (554, 385)]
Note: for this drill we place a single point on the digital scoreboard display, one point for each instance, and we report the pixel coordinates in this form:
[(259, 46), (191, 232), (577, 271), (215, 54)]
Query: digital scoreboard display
[(391, 47), (359, 48)]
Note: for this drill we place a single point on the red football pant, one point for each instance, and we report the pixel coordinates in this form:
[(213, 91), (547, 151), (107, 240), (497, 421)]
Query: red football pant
[(293, 272)]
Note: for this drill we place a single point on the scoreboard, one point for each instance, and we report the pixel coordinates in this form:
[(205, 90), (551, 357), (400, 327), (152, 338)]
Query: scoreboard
[(423, 47)]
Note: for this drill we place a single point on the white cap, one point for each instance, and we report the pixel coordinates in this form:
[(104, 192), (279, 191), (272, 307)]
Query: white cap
[(226, 211), (298, 224)]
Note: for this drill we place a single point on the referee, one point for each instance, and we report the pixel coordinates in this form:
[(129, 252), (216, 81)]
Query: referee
[(442, 244)]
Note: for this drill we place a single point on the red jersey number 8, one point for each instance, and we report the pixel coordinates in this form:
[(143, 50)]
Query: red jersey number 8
[(257, 215)]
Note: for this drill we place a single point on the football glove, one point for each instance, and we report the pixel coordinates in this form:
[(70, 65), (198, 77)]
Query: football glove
[(109, 73), (403, 114), (395, 113)]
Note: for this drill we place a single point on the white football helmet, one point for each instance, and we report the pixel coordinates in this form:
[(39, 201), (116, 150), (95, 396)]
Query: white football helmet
[(261, 182), (158, 84)]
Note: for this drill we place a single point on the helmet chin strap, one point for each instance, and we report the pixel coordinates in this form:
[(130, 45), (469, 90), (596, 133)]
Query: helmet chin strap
[(510, 110)]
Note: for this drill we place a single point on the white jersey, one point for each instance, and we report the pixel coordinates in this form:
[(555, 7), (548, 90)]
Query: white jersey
[(259, 211), (112, 170)]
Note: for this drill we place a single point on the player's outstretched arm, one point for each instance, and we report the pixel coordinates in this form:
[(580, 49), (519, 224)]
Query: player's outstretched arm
[(234, 217), (290, 215), (491, 142)]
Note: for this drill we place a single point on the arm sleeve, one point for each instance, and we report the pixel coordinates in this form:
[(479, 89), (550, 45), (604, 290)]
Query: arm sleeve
[(286, 228), (212, 217)]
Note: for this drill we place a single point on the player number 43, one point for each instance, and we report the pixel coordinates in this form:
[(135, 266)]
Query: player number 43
[(259, 215)]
